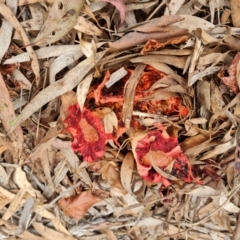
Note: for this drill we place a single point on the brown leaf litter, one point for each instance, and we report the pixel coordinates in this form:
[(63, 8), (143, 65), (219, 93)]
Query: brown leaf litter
[(119, 120)]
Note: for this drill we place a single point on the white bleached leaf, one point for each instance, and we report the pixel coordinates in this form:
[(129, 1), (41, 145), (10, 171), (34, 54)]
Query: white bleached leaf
[(22, 182), (230, 207), (116, 76), (82, 90), (6, 29), (44, 52), (221, 148), (110, 122), (149, 221), (18, 76), (192, 23), (63, 61), (200, 74), (3, 176), (5, 37), (86, 47), (85, 26), (198, 120), (204, 191)]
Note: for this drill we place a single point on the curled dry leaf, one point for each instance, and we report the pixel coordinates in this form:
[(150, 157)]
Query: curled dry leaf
[(44, 52), (61, 19), (196, 75), (40, 210), (156, 25), (120, 6), (231, 81), (126, 172), (176, 61), (153, 151), (205, 37), (10, 17), (220, 148), (157, 29), (82, 90), (24, 2), (14, 205), (152, 45), (64, 60), (235, 5), (85, 26), (112, 175), (25, 218), (129, 94), (67, 99), (22, 182), (192, 23), (3, 175), (77, 206), (232, 42), (173, 7), (110, 122)]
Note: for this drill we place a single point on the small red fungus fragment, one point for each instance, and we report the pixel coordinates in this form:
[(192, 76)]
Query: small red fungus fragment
[(163, 151), (89, 137), (152, 44)]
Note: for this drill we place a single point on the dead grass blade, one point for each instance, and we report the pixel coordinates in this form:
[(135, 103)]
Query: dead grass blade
[(26, 215)]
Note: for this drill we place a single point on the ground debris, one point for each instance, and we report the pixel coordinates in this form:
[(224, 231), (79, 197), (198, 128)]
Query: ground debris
[(119, 120)]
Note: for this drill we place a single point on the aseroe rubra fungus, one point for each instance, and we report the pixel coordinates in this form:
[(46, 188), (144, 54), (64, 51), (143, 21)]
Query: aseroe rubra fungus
[(89, 137), (153, 148), (113, 97)]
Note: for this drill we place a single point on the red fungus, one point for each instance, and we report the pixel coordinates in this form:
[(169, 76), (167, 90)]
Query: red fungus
[(113, 97), (164, 152), (89, 137)]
